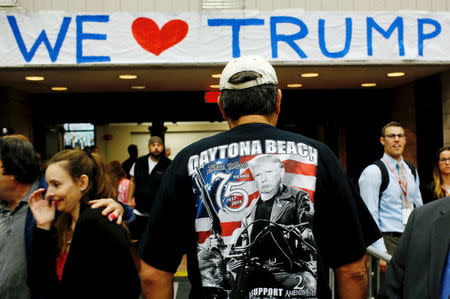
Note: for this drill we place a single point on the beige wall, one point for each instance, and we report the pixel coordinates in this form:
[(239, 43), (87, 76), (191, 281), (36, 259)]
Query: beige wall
[(446, 107), (178, 136), (196, 5), (404, 111)]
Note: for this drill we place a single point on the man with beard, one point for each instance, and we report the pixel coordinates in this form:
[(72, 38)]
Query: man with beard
[(146, 174)]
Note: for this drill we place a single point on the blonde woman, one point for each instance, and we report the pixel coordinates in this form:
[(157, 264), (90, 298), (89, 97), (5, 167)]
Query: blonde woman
[(440, 186)]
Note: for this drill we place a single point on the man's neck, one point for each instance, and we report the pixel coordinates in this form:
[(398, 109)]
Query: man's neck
[(398, 158), (253, 118), (21, 192), (154, 159)]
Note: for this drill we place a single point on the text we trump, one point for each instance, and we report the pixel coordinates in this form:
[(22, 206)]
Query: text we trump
[(301, 32), (313, 37)]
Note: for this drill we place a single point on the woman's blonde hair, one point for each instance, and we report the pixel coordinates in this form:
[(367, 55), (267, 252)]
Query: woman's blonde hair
[(438, 189)]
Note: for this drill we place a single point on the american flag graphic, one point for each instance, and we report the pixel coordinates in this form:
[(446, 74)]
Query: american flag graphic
[(232, 190)]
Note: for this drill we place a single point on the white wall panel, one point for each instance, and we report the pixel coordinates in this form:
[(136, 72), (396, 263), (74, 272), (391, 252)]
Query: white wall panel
[(28, 5), (439, 4), (265, 5), (112, 5), (281, 4), (44, 4), (377, 5), (330, 4), (146, 5), (313, 5), (424, 5), (195, 5), (393, 5), (60, 4), (409, 4), (180, 5), (130, 5), (77, 5), (362, 5), (251, 4), (298, 3), (95, 6), (346, 5), (165, 6)]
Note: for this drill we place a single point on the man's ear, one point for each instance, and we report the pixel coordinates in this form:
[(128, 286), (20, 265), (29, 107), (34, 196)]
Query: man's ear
[(224, 115), (382, 140), (278, 104), (83, 182)]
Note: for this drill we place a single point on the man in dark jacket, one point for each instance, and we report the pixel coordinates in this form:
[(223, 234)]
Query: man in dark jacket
[(146, 174), (420, 266)]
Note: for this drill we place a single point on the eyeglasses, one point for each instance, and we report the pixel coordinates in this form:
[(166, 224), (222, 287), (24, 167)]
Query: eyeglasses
[(392, 136), (444, 160)]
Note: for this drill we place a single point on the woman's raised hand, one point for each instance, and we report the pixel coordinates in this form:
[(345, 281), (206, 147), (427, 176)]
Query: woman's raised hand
[(43, 210)]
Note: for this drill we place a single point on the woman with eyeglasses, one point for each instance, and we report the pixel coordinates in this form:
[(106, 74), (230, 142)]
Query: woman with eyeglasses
[(440, 186)]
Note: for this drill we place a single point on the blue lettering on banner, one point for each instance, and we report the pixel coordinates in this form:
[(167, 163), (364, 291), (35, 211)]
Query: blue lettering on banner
[(235, 28), (53, 52), (289, 39), (348, 39), (398, 23), (423, 36), (94, 36)]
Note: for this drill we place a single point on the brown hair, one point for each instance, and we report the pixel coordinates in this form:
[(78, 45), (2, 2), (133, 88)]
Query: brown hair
[(437, 178), (117, 172), (78, 163), (390, 124)]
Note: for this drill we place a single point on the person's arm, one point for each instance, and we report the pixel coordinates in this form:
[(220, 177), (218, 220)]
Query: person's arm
[(352, 280), (112, 209), (155, 283), (131, 189), (369, 186), (418, 200)]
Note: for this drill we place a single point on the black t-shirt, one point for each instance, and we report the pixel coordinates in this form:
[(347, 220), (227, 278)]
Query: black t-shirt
[(206, 208)]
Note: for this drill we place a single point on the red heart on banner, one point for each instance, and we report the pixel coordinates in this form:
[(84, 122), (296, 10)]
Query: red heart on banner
[(148, 35)]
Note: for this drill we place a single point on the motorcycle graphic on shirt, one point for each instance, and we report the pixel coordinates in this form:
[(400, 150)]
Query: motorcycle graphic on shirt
[(254, 220)]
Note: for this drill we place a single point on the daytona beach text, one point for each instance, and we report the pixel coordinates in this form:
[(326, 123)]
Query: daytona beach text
[(253, 147)]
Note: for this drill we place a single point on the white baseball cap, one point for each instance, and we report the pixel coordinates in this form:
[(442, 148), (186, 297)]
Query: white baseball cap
[(248, 63)]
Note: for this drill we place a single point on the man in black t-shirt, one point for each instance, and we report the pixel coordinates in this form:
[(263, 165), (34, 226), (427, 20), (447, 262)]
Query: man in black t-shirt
[(213, 196)]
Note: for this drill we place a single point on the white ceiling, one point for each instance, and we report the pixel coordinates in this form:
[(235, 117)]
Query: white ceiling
[(198, 78)]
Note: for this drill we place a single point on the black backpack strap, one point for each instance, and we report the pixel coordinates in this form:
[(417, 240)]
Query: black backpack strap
[(384, 176), (413, 169)]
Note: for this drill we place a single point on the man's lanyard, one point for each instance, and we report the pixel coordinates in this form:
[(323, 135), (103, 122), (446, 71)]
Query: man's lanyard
[(402, 182)]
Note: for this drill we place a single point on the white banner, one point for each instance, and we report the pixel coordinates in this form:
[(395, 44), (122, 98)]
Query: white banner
[(289, 36)]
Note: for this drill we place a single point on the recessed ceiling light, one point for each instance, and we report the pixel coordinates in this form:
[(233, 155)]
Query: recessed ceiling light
[(34, 78), (216, 76), (214, 86), (368, 84), (127, 77), (59, 88), (294, 85), (309, 75), (138, 87), (395, 74)]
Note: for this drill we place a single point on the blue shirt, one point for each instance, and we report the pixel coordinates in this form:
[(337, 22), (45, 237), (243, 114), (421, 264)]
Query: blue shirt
[(387, 213), (445, 282)]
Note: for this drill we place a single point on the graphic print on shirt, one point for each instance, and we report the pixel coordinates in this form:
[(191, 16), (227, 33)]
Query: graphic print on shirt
[(254, 217)]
